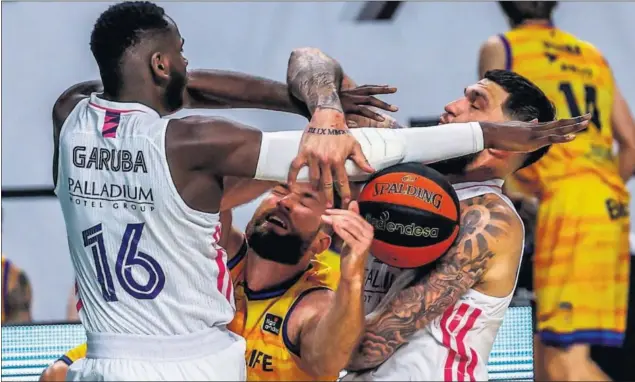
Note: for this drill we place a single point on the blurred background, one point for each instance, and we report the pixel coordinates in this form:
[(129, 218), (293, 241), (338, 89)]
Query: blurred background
[(429, 51)]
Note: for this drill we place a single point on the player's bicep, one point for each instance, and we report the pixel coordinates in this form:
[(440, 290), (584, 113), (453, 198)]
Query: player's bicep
[(622, 121), (216, 146), (492, 55), (487, 226), (304, 320), (239, 191)]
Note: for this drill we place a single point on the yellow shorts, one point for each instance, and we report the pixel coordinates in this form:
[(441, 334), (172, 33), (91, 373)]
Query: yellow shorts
[(582, 264)]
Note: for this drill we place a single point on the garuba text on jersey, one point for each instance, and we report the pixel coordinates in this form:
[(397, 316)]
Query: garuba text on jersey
[(109, 159)]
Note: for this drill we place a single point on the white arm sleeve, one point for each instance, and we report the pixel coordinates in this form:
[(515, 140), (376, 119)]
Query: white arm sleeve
[(382, 147)]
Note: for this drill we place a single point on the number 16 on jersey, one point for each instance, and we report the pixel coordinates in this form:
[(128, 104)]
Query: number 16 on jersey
[(128, 257)]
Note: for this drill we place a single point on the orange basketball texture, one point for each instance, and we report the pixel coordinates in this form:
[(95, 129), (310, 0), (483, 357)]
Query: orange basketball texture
[(415, 214)]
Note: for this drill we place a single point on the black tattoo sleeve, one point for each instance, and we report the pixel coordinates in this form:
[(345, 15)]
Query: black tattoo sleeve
[(486, 223), (315, 78)]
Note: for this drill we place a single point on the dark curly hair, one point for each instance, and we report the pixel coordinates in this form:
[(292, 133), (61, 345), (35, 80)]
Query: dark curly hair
[(119, 28), (520, 11), (525, 102)]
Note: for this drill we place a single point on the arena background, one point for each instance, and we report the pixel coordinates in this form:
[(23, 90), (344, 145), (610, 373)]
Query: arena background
[(427, 50)]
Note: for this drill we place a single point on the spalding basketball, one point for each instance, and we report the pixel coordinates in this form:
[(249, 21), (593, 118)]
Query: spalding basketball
[(415, 213)]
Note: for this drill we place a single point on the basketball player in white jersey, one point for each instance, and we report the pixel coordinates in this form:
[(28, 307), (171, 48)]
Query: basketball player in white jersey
[(141, 193), (441, 324)]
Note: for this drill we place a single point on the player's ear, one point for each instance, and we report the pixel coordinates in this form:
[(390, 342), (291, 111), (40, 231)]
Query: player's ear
[(499, 154), (160, 66), (322, 243)]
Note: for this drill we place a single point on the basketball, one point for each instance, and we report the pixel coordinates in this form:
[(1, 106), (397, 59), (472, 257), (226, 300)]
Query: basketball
[(415, 213)]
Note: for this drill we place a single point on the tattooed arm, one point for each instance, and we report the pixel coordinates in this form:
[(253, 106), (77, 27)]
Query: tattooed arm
[(18, 301), (315, 78), (489, 228)]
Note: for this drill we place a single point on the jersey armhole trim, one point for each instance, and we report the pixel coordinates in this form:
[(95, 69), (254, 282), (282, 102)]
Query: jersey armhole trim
[(239, 256), (66, 360), (508, 51), (294, 348)]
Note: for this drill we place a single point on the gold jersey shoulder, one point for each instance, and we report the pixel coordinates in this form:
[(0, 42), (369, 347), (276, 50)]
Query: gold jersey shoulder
[(577, 79), (261, 319), (74, 354)]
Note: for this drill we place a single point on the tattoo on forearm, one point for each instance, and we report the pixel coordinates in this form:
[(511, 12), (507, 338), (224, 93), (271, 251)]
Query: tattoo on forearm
[(324, 131), (484, 221), (315, 78), (19, 299)]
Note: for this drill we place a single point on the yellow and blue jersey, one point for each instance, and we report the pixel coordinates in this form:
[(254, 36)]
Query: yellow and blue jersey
[(581, 258), (74, 354), (261, 318)]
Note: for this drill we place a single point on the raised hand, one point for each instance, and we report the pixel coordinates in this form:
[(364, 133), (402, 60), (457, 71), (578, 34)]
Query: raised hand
[(318, 80), (324, 148), (357, 235), (371, 115), (530, 136), (360, 101)]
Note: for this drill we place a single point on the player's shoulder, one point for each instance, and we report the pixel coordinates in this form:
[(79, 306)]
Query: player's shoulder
[(310, 303), (318, 283), (184, 132), (324, 272), (70, 98), (194, 120), (196, 128), (494, 44), (588, 48), (490, 210), (10, 268)]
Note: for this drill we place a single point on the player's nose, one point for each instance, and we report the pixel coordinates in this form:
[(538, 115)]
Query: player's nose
[(453, 109), (286, 203), (448, 115)]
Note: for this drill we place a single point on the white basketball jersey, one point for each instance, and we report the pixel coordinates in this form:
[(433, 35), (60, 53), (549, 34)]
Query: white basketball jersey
[(453, 347), (145, 262)]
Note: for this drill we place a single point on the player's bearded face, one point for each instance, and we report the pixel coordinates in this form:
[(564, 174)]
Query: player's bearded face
[(285, 249), (174, 90)]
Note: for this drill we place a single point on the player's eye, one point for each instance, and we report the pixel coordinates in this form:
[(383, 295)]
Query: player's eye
[(474, 107), (307, 200)]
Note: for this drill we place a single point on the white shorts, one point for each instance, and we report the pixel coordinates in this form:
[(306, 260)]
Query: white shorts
[(210, 355)]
